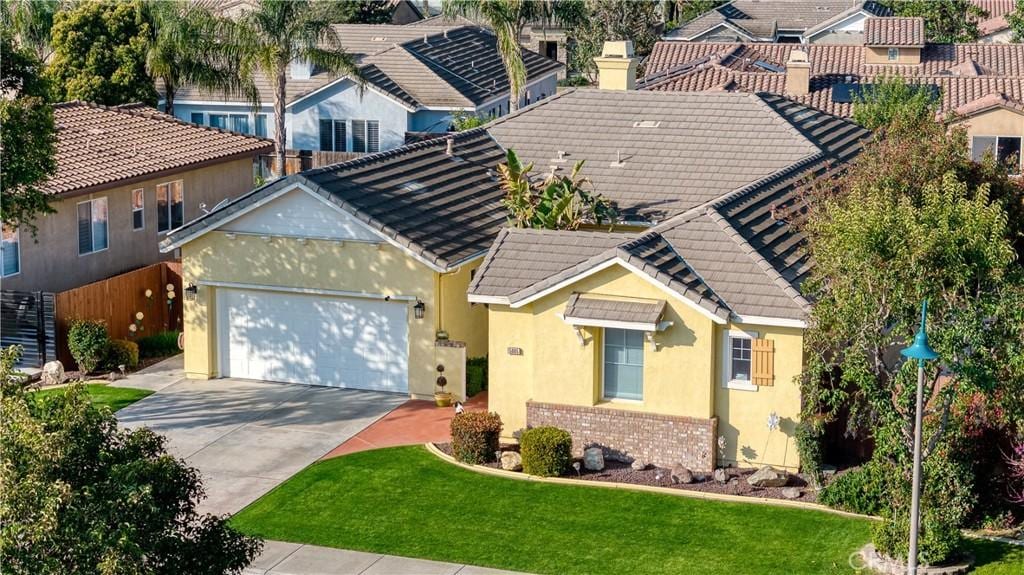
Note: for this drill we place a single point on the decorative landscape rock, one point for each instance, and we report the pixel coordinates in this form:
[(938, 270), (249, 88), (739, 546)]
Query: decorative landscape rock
[(53, 373), (828, 470), (638, 465), (681, 474), (720, 475), (791, 492), (768, 476), (511, 461), (593, 458)]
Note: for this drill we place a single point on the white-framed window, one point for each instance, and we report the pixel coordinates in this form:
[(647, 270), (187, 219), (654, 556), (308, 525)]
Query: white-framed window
[(261, 125), (623, 369), (737, 360), (219, 121), (197, 118), (332, 135), (365, 136), (10, 256), (893, 54), (170, 206), (1005, 149), (92, 226), (138, 209)]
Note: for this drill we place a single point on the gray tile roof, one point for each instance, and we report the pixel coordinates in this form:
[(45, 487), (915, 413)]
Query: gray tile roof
[(760, 18), (633, 310), (676, 152), (894, 31), (444, 209), (417, 65)]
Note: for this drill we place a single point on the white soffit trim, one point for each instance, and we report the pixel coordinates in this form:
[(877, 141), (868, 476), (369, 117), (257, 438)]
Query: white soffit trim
[(621, 262), (308, 291), (255, 205), (346, 77), (769, 321), (632, 325), (496, 299)]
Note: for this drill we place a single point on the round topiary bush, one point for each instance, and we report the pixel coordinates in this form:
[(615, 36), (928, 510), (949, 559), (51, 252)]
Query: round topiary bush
[(88, 342), (122, 352), (546, 451), (475, 436)]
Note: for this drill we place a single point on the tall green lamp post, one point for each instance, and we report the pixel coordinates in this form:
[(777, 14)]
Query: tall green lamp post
[(922, 352)]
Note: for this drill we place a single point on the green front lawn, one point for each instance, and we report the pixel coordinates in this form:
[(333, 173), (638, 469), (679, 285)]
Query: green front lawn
[(104, 395)]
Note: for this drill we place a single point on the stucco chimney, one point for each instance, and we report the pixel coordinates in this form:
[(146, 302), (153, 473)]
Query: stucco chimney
[(617, 66), (798, 74)]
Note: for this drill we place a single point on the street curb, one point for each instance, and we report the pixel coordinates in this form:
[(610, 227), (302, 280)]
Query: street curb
[(645, 488)]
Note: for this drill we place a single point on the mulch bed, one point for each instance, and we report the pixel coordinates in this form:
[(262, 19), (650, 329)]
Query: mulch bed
[(104, 374), (619, 472)]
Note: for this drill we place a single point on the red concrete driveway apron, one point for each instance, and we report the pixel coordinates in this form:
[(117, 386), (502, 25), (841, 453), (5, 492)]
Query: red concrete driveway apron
[(415, 421)]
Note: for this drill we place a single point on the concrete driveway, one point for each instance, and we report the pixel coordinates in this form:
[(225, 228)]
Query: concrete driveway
[(245, 437)]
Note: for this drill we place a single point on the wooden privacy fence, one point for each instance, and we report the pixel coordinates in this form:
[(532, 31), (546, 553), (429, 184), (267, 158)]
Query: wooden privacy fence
[(118, 299), (27, 319), (300, 160)]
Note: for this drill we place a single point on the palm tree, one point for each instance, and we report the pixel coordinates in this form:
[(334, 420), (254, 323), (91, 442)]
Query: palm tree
[(268, 38), (558, 203), (31, 21), (185, 48), (506, 18)]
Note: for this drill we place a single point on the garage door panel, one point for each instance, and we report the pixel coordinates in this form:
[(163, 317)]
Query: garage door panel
[(316, 340)]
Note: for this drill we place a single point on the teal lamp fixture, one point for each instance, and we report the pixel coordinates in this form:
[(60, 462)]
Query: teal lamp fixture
[(922, 352)]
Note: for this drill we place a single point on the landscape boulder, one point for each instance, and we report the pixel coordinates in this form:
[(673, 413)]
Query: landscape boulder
[(511, 461), (680, 474), (638, 465), (53, 373), (593, 458), (791, 492), (768, 476), (720, 475)]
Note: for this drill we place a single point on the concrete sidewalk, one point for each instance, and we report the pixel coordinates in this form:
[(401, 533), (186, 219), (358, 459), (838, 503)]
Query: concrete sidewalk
[(280, 558)]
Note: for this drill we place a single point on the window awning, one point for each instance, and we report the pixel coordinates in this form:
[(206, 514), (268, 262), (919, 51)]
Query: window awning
[(641, 315)]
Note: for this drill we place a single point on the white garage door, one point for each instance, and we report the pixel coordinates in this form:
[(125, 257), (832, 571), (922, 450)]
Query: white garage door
[(312, 339)]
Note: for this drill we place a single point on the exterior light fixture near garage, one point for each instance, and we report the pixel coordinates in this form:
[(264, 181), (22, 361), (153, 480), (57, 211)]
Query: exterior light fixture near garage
[(418, 309), (191, 292)]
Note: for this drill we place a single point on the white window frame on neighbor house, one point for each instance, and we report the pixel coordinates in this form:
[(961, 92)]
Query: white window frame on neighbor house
[(334, 135), (604, 393), (995, 149), (166, 187), (16, 240), (727, 379), (366, 136), (893, 55), (138, 209), (92, 226), (256, 120)]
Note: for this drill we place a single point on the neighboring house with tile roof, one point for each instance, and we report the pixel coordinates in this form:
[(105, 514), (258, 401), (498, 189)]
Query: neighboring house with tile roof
[(417, 77), (789, 21), (828, 77), (357, 274), (995, 28), (125, 177)]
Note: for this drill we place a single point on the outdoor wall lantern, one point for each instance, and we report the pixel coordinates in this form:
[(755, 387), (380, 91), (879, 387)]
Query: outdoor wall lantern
[(191, 291), (418, 309)]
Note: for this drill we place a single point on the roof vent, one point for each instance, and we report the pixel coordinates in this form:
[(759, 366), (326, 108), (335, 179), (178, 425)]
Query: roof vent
[(378, 39), (618, 163), (449, 146), (646, 124)]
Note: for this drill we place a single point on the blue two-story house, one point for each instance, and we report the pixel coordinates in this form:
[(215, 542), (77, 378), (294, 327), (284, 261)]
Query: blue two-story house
[(417, 79)]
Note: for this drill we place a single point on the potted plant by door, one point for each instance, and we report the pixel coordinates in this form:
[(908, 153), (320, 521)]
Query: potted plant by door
[(441, 397)]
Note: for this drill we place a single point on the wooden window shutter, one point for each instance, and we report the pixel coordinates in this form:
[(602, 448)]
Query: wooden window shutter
[(763, 362)]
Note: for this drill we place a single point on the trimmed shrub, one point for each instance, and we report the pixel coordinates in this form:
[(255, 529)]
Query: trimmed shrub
[(475, 436), (546, 451), (864, 490), (122, 352), (160, 345), (476, 375), (809, 433), (88, 342), (937, 543)]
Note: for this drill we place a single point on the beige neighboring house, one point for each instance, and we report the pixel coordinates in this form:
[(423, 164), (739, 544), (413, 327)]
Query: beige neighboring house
[(983, 84), (126, 176), (995, 28)]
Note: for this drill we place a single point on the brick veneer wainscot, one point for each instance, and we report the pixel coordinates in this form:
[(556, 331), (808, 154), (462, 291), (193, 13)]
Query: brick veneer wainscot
[(663, 440)]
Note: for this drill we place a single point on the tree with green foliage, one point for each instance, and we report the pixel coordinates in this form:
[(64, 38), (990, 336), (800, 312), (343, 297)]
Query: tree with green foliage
[(893, 102), (1016, 21), (31, 22), (362, 12), (27, 140), (612, 20), (507, 18), (462, 121), (99, 53), (682, 11), (945, 21), (84, 496), (275, 33), (185, 48), (916, 219), (559, 202)]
